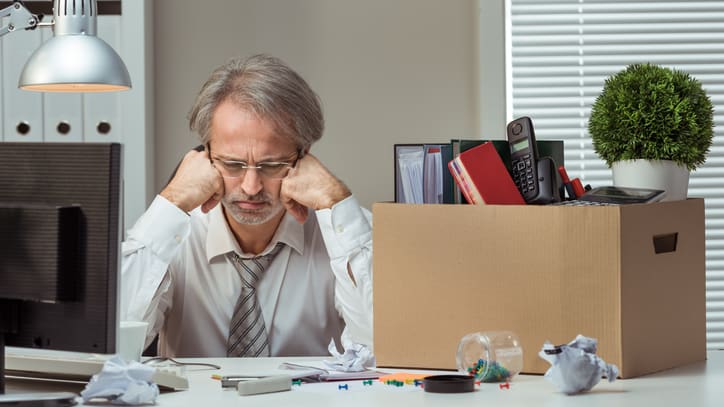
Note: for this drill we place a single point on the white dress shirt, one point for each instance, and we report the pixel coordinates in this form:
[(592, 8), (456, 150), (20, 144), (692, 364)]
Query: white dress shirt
[(175, 275)]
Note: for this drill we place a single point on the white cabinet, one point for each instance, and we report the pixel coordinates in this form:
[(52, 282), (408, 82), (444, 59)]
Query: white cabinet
[(101, 111), (22, 110)]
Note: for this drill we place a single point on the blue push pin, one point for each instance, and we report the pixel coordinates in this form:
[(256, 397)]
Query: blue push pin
[(343, 387)]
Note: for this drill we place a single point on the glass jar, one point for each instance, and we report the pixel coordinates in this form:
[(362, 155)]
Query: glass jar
[(493, 356)]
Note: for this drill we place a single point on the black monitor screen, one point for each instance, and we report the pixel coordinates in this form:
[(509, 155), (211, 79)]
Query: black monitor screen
[(59, 245)]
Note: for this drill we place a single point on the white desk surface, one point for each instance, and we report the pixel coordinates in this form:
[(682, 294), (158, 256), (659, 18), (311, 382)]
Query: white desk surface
[(699, 384)]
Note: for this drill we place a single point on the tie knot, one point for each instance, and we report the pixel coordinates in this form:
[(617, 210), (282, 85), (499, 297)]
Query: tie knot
[(250, 269)]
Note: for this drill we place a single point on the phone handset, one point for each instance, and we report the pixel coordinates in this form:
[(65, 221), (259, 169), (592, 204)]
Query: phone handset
[(524, 157)]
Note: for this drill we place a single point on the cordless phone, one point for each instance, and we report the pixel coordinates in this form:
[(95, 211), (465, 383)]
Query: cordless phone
[(524, 157)]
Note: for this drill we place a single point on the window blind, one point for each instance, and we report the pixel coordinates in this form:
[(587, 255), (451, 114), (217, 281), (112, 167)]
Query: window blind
[(561, 52)]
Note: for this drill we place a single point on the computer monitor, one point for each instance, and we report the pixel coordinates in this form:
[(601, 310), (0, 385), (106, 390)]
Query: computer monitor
[(59, 245)]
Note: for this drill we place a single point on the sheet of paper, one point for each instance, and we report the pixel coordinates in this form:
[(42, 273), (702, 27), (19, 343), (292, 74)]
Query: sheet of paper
[(317, 370)]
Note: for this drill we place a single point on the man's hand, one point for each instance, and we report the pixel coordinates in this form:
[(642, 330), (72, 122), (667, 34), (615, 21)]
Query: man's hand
[(311, 185), (196, 183)]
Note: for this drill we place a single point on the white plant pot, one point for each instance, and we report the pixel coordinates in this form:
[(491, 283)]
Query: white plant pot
[(653, 174)]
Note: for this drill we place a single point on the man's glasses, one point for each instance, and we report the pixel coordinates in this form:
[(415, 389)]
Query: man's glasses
[(267, 169)]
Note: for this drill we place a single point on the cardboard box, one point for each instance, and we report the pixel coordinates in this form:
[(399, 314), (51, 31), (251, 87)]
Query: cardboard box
[(546, 273)]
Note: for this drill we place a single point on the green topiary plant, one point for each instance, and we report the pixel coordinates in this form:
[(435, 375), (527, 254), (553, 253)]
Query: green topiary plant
[(654, 113)]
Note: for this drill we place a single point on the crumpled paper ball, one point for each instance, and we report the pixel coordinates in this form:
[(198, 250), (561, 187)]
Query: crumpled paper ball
[(356, 357), (575, 367), (121, 382)]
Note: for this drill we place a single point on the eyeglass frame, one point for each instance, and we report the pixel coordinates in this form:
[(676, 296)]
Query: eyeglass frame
[(245, 166)]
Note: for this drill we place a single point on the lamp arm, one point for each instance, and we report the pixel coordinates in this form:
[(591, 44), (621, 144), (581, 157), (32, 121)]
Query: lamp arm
[(20, 18)]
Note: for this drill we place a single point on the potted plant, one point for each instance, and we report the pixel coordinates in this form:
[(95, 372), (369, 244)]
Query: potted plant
[(652, 125)]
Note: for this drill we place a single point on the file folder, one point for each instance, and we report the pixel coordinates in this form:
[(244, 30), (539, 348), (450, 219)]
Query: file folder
[(421, 174)]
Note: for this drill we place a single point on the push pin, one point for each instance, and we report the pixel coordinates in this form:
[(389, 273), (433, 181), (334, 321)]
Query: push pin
[(343, 387), (367, 383), (505, 385), (297, 382)]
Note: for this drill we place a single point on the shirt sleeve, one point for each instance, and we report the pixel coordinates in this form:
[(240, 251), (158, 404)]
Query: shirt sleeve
[(347, 232), (146, 254)]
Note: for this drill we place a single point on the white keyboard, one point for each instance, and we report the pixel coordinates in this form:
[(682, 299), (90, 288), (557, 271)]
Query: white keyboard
[(81, 369)]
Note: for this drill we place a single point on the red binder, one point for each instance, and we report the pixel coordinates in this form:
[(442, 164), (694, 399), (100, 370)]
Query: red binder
[(483, 178)]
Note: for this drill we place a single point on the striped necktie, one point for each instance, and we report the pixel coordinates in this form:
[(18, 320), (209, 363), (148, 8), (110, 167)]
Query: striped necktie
[(247, 332)]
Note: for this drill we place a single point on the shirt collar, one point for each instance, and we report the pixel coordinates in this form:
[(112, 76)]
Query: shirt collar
[(220, 240)]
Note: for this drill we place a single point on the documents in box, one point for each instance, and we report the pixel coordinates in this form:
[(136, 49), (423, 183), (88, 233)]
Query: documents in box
[(631, 276), (421, 172)]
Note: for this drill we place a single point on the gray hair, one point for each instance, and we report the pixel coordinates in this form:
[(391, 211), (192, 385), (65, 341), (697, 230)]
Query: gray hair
[(267, 87)]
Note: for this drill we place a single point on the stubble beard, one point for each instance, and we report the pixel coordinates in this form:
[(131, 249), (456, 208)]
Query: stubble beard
[(251, 217)]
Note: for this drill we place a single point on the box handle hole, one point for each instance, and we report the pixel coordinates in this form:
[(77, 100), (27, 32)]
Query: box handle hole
[(665, 243)]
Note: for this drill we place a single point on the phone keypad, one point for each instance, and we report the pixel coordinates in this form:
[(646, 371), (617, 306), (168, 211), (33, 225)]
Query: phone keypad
[(523, 174)]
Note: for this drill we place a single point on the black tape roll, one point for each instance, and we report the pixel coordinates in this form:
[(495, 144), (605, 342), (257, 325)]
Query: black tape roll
[(449, 384)]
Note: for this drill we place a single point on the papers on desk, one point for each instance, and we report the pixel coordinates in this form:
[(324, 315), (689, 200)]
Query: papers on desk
[(315, 371)]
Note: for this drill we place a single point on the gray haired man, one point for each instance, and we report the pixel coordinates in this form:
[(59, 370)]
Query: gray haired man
[(284, 263)]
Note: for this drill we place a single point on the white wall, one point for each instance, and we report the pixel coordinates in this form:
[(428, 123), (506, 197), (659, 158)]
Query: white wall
[(491, 69), (388, 71)]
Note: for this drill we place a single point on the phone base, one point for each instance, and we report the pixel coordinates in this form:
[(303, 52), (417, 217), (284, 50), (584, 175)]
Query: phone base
[(547, 183)]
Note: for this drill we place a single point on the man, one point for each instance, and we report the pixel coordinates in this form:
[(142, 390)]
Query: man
[(253, 248)]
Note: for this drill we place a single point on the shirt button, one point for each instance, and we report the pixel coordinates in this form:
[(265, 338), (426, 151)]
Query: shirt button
[(340, 229), (178, 238)]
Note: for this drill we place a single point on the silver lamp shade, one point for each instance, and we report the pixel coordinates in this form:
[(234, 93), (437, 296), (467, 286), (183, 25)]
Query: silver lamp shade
[(74, 60)]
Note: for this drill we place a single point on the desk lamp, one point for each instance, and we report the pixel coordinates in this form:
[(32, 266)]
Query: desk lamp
[(75, 59)]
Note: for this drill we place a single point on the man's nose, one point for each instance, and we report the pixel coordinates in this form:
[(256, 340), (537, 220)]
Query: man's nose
[(252, 183)]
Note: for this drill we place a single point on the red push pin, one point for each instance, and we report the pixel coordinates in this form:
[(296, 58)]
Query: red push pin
[(505, 385)]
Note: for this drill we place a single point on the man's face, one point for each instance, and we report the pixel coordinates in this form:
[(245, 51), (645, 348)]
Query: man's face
[(240, 137)]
